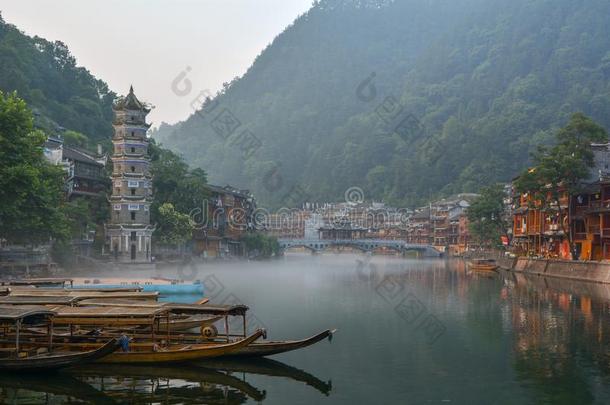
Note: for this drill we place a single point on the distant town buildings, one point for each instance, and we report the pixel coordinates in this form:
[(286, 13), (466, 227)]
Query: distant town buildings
[(442, 224)]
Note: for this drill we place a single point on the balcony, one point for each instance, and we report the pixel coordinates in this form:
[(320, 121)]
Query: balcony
[(534, 230), (599, 206), (593, 229)]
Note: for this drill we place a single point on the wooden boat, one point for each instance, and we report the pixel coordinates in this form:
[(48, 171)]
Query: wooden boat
[(176, 353), (185, 323), (183, 317), (156, 347), (55, 360), (82, 295), (39, 356), (483, 265), (257, 349), (153, 284), (260, 349), (39, 282)]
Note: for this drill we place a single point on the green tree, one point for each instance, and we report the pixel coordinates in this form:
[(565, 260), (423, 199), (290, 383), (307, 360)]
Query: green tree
[(173, 228), (175, 183), (486, 220), (31, 189), (563, 168), (261, 245)]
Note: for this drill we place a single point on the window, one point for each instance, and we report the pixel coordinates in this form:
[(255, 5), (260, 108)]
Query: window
[(133, 150), (133, 133), (133, 216), (133, 191), (133, 236), (133, 168)]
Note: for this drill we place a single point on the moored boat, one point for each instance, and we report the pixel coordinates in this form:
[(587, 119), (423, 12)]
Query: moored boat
[(269, 348), (161, 285), (176, 353), (151, 346), (483, 264), (39, 357)]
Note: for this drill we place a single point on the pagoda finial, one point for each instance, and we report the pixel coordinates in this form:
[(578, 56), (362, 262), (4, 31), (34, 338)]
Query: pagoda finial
[(131, 89)]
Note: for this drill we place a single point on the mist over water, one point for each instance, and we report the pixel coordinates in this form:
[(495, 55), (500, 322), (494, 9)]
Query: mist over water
[(496, 338)]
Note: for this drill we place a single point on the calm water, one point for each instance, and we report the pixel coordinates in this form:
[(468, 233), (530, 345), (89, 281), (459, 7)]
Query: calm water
[(412, 332)]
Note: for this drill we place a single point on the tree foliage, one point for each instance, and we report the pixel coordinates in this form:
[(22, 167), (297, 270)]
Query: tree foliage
[(173, 228), (60, 93), (486, 221), (175, 183), (31, 189), (487, 81), (261, 245)]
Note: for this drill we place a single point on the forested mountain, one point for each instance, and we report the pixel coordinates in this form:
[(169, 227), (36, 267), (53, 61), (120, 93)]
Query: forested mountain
[(60, 93), (478, 84)]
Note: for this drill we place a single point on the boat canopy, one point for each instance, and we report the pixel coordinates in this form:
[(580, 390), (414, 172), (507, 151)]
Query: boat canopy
[(107, 312), (81, 295), (108, 316), (38, 281), (15, 313), (176, 308), (38, 300), (224, 310)]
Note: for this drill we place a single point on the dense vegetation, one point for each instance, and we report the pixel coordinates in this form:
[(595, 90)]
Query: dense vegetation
[(486, 81), (261, 246), (59, 93), (486, 217), (32, 209)]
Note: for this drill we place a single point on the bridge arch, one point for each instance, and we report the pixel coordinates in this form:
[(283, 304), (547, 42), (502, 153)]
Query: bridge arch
[(364, 245)]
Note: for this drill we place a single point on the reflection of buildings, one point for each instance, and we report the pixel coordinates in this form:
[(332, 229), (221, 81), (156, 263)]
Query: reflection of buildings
[(560, 333)]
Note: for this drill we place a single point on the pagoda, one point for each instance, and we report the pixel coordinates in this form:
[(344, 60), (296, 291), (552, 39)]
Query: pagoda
[(128, 232)]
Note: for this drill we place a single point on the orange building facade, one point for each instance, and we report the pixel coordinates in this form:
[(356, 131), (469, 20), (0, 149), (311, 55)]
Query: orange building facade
[(543, 232)]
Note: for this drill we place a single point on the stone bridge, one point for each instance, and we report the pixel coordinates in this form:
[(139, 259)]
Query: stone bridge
[(364, 245)]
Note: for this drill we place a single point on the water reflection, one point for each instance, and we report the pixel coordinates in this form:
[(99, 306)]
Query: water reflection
[(219, 382), (509, 339), (271, 368), (561, 341)]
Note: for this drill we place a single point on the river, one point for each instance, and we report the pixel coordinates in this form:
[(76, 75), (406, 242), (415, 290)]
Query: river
[(408, 331)]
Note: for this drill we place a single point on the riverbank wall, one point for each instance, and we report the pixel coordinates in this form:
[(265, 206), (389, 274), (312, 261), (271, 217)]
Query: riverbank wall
[(569, 269)]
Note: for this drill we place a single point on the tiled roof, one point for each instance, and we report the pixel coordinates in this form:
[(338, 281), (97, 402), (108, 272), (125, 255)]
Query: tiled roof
[(79, 156)]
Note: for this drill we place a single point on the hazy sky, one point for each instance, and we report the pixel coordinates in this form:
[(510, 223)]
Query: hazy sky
[(148, 43)]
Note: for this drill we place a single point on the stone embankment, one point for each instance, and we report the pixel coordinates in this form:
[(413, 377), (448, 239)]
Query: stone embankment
[(575, 270)]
